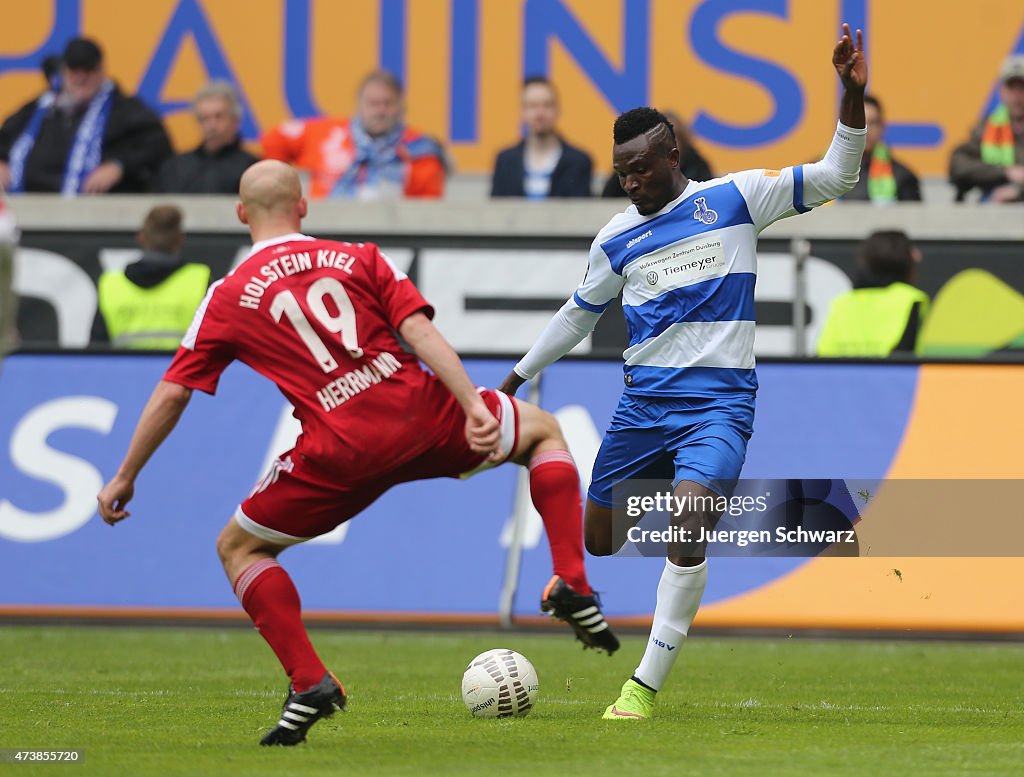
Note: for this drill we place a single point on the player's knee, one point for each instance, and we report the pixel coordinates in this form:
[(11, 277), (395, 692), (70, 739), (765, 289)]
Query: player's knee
[(542, 425), (552, 429), (230, 542), (539, 431), (224, 546)]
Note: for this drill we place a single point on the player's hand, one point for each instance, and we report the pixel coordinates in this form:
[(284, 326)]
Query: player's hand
[(849, 60), (5, 176), (483, 432), (1008, 192), (1015, 174), (511, 384), (114, 498), (103, 178)]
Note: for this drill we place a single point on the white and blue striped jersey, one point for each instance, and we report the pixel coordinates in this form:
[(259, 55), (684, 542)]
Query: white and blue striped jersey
[(687, 276)]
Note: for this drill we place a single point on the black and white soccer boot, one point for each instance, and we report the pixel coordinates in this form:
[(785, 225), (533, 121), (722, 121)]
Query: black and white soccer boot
[(582, 612), (302, 710)]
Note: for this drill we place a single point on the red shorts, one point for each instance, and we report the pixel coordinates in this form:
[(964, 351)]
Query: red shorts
[(297, 500)]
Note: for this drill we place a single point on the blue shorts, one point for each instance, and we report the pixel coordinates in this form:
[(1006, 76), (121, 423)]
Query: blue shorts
[(698, 439)]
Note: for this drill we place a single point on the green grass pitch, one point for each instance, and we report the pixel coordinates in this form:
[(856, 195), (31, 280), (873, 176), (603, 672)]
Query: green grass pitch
[(164, 701)]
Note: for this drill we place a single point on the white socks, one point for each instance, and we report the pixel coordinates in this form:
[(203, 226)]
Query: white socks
[(679, 594)]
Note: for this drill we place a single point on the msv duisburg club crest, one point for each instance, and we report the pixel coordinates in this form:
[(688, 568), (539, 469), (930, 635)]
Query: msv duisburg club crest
[(704, 214)]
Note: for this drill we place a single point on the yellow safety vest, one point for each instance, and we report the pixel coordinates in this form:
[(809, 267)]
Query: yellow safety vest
[(154, 318), (869, 322)]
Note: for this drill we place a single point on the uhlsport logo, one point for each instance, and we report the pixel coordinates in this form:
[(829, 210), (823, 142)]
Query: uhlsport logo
[(652, 278), (637, 239), (704, 214)]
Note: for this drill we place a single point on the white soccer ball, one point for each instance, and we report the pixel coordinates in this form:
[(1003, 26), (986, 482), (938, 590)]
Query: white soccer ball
[(499, 684)]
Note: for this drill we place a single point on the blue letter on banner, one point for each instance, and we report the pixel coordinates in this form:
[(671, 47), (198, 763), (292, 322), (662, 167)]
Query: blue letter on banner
[(67, 18), (855, 13), (784, 88), (465, 70), (298, 48), (624, 89), (188, 19), (393, 39)]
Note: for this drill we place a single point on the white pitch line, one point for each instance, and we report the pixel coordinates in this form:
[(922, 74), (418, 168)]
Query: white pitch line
[(753, 703), (750, 703)]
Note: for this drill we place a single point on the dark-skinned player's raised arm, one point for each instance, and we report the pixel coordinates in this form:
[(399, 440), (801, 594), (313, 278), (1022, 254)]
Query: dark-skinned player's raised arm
[(648, 169)]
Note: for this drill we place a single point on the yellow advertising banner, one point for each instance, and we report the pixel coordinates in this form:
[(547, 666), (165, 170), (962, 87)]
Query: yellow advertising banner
[(752, 77), (950, 443)]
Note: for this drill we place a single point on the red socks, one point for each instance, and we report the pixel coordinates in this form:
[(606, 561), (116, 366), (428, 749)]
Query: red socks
[(269, 596), (555, 488)]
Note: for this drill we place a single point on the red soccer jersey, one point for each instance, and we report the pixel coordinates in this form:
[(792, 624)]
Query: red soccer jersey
[(318, 318)]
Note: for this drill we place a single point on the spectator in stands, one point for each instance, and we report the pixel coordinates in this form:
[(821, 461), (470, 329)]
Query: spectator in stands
[(542, 164), (883, 179), (884, 311), (373, 155), (217, 165), (993, 158), (151, 303), (694, 166), (85, 136)]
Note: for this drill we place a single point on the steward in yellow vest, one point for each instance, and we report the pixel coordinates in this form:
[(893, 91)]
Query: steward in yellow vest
[(151, 303), (151, 317), (884, 312)]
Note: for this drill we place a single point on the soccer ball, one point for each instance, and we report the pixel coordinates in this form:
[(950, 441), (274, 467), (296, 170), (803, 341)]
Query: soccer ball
[(499, 684)]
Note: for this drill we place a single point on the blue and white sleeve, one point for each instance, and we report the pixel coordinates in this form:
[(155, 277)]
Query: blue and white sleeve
[(577, 317), (775, 194)]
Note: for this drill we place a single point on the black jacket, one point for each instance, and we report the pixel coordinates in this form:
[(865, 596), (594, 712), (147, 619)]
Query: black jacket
[(908, 189), (134, 137), (197, 172), (570, 178)]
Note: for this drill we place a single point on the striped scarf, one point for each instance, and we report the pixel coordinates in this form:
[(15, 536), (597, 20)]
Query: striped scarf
[(997, 144), (378, 169), (881, 183), (86, 150)]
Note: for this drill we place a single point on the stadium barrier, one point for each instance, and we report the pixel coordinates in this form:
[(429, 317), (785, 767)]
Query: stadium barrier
[(497, 271), (438, 551)]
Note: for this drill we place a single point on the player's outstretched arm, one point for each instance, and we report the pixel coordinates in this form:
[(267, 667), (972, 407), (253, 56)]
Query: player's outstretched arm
[(158, 418), (849, 62), (483, 432), (512, 383), (839, 170), (563, 333)]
